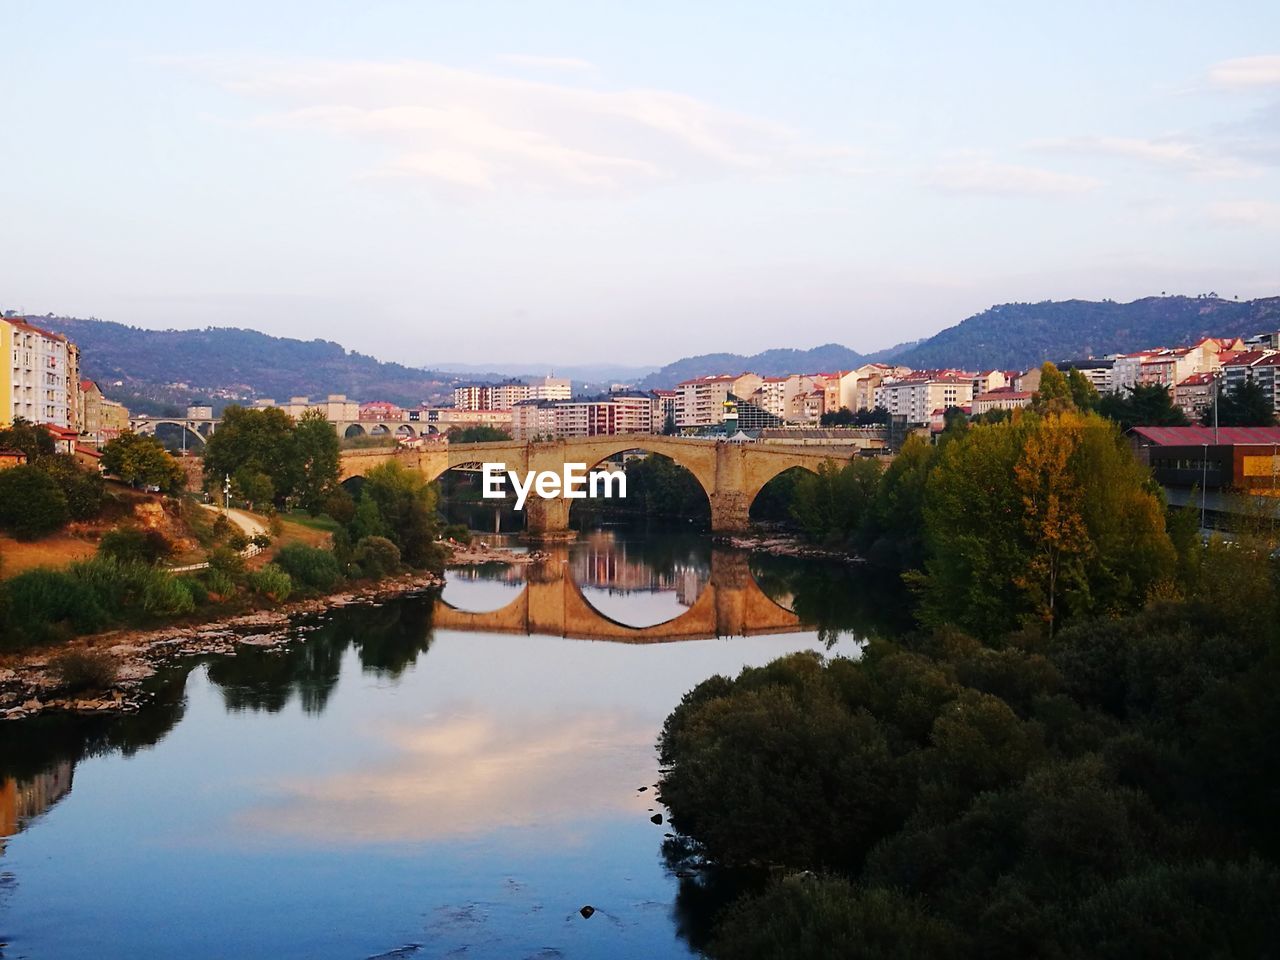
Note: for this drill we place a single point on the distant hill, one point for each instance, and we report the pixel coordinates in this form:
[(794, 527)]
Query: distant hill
[(156, 370), (770, 363), (1020, 335), (1015, 336)]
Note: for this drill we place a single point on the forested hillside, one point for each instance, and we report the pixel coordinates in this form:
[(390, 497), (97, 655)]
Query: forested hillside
[(1020, 335), (151, 370)]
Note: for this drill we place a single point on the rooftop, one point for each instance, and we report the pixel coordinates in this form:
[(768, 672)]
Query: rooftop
[(1198, 436)]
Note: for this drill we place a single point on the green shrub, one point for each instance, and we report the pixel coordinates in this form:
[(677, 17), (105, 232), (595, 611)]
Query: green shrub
[(197, 590), (32, 505), (227, 561), (133, 543), (167, 595), (40, 606), (457, 531), (376, 557), (238, 542), (272, 582), (77, 670), (260, 540), (220, 582), (311, 567)]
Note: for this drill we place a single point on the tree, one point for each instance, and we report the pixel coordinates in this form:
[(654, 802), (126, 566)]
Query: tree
[(139, 460), (32, 504), (319, 460), (1052, 514), (1143, 405), (1245, 405), (1083, 393), (406, 507), (831, 505), (477, 434), (251, 442), (1011, 512), (669, 427), (1054, 394), (82, 488), (31, 438)]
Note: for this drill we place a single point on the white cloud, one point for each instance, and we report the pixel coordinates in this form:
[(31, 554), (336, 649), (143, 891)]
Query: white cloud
[(1245, 212), (1246, 72), (476, 130), (981, 176), (1173, 152)]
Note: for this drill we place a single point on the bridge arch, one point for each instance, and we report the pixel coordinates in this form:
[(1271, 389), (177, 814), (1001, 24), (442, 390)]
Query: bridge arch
[(185, 428)]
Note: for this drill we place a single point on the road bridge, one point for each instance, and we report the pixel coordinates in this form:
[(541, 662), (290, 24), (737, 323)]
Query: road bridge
[(731, 474), (730, 605)]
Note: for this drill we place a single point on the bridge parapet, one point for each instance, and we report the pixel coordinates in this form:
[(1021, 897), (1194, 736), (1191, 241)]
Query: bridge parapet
[(730, 474)]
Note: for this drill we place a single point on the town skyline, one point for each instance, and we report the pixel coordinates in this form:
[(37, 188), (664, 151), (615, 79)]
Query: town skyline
[(616, 181)]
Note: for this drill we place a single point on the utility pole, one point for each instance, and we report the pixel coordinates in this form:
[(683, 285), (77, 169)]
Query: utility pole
[(1216, 390), (1204, 479)]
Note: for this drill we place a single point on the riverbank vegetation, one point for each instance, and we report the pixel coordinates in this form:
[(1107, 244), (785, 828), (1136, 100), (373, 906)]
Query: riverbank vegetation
[(1063, 758)]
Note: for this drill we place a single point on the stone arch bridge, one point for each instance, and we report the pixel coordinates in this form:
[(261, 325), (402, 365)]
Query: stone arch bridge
[(730, 605), (730, 474)]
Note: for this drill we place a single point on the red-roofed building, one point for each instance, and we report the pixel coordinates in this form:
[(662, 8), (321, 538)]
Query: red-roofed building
[(1241, 459)]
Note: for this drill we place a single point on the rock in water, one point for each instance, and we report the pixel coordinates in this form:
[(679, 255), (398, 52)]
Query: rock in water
[(587, 911)]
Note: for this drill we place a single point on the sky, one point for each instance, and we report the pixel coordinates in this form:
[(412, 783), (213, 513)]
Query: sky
[(596, 182)]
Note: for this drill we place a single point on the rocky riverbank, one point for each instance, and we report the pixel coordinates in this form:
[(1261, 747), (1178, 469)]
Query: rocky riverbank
[(780, 545), (29, 683)]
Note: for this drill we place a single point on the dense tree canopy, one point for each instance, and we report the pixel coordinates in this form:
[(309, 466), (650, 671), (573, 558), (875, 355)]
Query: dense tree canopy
[(272, 459), (143, 461), (1039, 519), (1245, 405), (1145, 405)]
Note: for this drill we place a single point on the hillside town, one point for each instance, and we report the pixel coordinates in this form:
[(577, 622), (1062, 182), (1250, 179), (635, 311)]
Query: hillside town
[(45, 386)]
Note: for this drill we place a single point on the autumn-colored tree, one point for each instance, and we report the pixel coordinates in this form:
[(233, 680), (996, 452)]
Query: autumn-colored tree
[(1040, 519), (1052, 514)]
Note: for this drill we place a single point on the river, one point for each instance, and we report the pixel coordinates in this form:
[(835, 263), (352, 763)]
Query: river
[(435, 776)]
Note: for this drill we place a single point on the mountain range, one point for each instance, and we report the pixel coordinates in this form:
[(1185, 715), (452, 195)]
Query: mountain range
[(159, 370)]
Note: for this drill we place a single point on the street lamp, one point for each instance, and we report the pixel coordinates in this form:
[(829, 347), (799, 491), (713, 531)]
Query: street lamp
[(226, 491)]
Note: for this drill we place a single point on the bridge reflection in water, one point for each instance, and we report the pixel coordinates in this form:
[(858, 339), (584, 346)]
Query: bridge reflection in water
[(731, 604)]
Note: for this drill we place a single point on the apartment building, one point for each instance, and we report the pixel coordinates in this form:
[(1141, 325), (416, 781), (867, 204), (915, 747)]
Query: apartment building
[(700, 402), (1194, 394), (1001, 398), (335, 407), (36, 375), (1257, 366), (100, 419), (505, 395), (533, 419), (918, 395)]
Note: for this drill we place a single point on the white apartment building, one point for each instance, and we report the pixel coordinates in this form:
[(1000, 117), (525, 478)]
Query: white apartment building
[(701, 402), (918, 395), (36, 373), (505, 395)]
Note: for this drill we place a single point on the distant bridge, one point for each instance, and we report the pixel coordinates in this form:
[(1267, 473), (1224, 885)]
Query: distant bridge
[(196, 428), (730, 605), (730, 474)]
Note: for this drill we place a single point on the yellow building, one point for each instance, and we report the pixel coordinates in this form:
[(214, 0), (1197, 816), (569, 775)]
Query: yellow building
[(35, 371)]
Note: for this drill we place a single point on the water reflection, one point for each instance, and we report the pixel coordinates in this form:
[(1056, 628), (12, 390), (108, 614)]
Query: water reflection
[(348, 795)]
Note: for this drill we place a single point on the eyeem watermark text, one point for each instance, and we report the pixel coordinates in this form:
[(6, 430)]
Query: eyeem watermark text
[(575, 483)]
